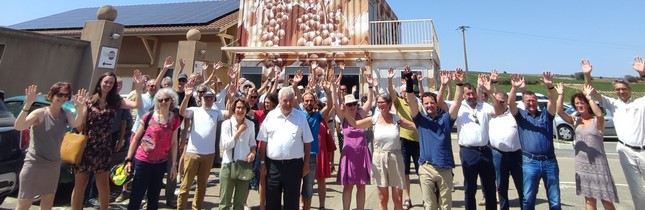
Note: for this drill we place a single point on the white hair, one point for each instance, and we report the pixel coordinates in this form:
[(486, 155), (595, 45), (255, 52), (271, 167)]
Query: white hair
[(287, 91), (167, 92)]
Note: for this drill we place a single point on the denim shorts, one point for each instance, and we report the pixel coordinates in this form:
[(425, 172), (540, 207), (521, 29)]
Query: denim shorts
[(308, 181)]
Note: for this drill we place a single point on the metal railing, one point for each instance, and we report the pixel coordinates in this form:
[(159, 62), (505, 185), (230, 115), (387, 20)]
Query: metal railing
[(403, 32)]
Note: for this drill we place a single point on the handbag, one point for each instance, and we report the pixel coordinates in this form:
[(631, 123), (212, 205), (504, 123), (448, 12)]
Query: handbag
[(240, 169), (72, 148)]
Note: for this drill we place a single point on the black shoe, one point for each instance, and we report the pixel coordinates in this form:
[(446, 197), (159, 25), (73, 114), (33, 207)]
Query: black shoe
[(92, 202), (172, 204)]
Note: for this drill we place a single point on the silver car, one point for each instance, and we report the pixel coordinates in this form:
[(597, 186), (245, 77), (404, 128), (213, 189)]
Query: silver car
[(564, 130)]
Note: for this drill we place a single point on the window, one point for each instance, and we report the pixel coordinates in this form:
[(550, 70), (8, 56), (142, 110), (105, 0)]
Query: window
[(1, 51)]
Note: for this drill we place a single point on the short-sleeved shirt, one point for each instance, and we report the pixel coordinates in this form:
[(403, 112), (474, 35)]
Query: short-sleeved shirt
[(536, 132), (156, 141), (203, 132), (285, 135), (386, 136), (403, 110), (146, 105), (503, 132), (472, 124), (434, 139), (314, 120), (629, 119)]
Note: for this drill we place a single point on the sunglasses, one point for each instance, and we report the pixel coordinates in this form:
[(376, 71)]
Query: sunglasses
[(63, 95), (352, 104), (253, 97), (163, 100), (201, 92), (182, 80), (151, 86), (476, 120)]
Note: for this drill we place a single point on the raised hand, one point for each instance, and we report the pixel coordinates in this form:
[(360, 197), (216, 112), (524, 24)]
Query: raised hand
[(277, 72), (31, 94), (231, 91), (139, 81), (639, 65), (297, 77), (205, 65), (586, 66), (218, 65), (190, 86), (547, 77), (390, 73), (445, 77), (341, 66), (182, 63), (232, 73), (459, 75), (80, 98), (170, 61), (313, 65), (494, 76), (517, 80), (485, 81), (587, 90), (420, 76), (369, 80), (559, 88)]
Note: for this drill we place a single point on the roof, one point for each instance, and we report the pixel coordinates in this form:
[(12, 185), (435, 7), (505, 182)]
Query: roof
[(146, 15)]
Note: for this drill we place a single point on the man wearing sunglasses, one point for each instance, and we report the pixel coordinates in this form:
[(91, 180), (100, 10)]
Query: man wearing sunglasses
[(629, 120)]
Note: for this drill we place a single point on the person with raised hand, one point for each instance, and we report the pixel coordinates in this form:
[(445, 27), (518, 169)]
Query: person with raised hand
[(628, 115), (409, 138), (536, 139), (41, 168), (505, 144), (436, 160), (593, 177), (99, 113)]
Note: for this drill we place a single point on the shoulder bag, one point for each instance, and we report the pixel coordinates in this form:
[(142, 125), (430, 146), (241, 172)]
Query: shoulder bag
[(240, 169)]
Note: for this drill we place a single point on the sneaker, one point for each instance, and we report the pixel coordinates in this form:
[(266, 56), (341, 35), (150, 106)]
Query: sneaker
[(172, 204), (482, 202), (92, 202), (125, 195)]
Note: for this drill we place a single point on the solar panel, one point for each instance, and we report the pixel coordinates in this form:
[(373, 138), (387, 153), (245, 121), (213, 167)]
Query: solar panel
[(187, 13)]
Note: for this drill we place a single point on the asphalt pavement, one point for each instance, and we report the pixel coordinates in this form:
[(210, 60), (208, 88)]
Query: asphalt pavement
[(564, 153)]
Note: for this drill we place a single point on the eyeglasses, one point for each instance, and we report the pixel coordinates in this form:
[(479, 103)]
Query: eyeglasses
[(63, 95), (163, 100), (352, 104), (253, 97), (182, 80), (151, 86), (201, 92)]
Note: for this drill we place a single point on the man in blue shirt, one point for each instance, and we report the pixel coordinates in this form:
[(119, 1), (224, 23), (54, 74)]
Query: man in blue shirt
[(536, 138), (313, 118), (434, 126)]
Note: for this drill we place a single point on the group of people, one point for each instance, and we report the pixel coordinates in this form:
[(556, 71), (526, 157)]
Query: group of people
[(179, 133)]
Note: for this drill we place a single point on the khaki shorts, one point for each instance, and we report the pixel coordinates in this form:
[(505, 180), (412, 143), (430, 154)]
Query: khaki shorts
[(387, 169)]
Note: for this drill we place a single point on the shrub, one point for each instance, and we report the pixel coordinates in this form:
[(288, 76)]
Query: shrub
[(631, 79), (579, 76)]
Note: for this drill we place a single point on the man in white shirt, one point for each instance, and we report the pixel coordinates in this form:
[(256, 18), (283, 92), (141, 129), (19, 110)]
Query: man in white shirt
[(476, 157), (629, 121), (287, 146), (199, 151)]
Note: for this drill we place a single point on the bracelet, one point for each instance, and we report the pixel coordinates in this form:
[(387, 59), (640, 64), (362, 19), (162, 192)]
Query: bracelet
[(550, 88), (460, 84), (25, 110)]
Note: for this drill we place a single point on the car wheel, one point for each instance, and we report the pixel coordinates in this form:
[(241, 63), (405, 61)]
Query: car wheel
[(565, 133)]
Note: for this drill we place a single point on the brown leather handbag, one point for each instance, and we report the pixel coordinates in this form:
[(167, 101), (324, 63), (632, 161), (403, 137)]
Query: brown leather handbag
[(72, 148)]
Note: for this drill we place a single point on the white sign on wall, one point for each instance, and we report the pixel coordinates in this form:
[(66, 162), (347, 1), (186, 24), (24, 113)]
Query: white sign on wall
[(107, 58)]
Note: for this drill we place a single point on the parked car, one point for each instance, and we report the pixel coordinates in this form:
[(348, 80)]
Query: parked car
[(16, 103), (11, 154), (565, 131)]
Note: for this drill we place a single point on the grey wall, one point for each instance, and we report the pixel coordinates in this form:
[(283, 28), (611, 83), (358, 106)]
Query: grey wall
[(33, 58)]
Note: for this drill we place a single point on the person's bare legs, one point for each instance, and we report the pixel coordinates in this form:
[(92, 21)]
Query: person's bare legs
[(383, 195), (406, 191), (397, 198), (590, 203), (24, 204), (103, 185), (360, 197), (608, 205), (347, 196), (322, 192), (78, 194), (47, 201)]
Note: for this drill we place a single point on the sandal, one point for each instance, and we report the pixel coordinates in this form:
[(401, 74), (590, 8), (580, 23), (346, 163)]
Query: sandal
[(407, 204)]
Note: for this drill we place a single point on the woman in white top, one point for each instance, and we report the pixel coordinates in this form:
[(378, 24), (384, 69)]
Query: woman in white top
[(387, 161), (238, 143)]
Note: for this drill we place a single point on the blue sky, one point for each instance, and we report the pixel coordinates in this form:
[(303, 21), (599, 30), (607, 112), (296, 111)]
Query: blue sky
[(513, 36)]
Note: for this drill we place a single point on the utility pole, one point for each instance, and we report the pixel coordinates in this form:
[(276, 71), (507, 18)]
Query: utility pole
[(463, 37)]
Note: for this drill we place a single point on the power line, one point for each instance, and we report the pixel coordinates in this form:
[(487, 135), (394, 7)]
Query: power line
[(630, 46)]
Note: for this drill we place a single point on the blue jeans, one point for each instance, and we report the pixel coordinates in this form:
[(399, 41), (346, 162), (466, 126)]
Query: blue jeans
[(548, 171), (307, 190), (478, 162), (148, 178), (507, 164)]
